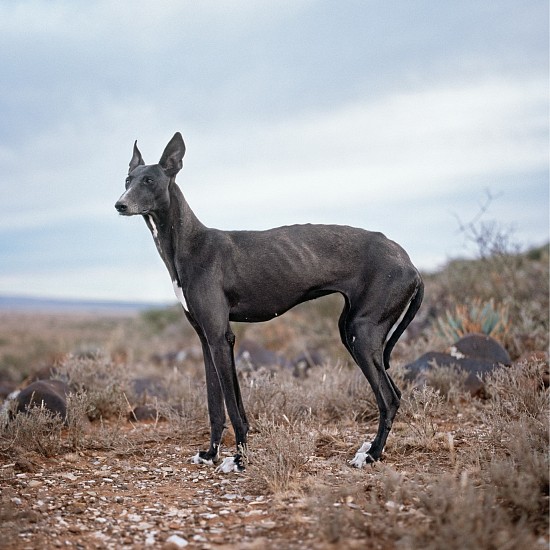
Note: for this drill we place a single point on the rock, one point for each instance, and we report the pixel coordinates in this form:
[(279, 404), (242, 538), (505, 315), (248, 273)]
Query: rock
[(175, 541), (51, 394), (148, 386), (475, 354), (483, 347), (252, 356), (305, 361), (6, 387)]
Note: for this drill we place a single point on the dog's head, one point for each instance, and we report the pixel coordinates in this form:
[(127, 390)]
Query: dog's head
[(147, 184)]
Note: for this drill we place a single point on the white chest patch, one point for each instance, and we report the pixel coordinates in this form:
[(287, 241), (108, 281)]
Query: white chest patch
[(179, 295), (153, 226)]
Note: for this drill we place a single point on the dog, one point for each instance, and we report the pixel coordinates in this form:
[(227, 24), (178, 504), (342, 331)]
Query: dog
[(254, 276)]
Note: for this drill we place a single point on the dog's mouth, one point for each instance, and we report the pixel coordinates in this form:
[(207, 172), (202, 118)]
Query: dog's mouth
[(126, 210)]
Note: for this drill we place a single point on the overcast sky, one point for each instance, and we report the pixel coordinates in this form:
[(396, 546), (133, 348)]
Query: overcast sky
[(392, 116)]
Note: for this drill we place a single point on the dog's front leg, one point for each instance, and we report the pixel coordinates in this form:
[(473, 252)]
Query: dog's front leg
[(216, 412), (216, 409), (221, 350)]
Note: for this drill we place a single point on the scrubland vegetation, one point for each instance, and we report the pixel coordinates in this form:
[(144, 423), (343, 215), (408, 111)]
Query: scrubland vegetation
[(457, 472)]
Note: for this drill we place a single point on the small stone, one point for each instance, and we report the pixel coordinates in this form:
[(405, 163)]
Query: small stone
[(180, 542)]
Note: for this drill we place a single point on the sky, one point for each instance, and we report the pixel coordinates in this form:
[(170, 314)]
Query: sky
[(395, 116)]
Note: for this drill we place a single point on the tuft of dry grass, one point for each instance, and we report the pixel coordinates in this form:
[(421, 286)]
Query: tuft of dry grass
[(38, 430), (280, 452), (100, 385), (519, 464), (448, 382), (419, 409)]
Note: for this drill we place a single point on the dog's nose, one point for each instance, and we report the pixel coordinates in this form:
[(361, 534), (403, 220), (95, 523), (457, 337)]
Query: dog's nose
[(121, 207)]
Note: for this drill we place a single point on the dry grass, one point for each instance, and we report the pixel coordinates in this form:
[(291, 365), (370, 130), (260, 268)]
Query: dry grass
[(36, 431)]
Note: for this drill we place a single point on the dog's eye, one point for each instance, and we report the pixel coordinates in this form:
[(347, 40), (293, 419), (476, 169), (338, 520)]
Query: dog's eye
[(127, 182), (148, 181)]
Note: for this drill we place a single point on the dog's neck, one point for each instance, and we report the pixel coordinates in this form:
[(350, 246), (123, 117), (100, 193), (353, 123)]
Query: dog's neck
[(174, 228)]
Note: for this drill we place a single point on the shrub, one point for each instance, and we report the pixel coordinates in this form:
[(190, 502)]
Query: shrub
[(37, 430), (99, 383), (280, 452)]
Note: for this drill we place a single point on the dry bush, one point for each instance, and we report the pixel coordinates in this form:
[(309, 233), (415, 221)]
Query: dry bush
[(338, 512), (448, 382), (517, 418), (329, 394), (102, 382), (38, 430), (457, 514), (454, 511), (517, 395), (78, 411), (419, 409), (186, 401), (280, 452), (343, 393), (278, 395), (521, 479)]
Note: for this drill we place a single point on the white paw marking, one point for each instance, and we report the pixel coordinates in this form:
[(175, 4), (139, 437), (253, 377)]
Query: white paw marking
[(228, 465), (198, 460), (360, 458), (179, 294)]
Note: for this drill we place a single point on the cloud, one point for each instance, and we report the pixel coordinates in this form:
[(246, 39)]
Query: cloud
[(405, 145)]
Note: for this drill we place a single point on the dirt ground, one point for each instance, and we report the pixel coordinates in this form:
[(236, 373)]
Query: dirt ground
[(144, 492)]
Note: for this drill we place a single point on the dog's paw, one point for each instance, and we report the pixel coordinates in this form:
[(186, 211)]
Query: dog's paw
[(362, 456), (231, 464), (200, 459)]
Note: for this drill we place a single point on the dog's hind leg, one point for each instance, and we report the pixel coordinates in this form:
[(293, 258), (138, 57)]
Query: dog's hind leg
[(367, 349)]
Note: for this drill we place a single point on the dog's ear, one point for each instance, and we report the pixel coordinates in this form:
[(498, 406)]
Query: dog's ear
[(137, 159), (171, 161)]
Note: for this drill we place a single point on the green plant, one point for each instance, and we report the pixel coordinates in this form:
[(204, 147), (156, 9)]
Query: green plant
[(474, 316)]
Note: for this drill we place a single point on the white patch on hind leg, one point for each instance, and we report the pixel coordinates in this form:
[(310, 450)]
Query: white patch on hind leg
[(360, 458), (179, 294), (228, 465)]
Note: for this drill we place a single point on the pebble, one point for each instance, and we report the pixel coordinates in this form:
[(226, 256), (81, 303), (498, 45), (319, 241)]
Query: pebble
[(177, 540)]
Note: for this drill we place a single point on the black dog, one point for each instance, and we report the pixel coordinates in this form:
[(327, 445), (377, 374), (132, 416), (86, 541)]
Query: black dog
[(252, 276)]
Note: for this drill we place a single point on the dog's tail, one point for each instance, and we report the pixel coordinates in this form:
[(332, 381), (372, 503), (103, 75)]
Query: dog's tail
[(414, 306)]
